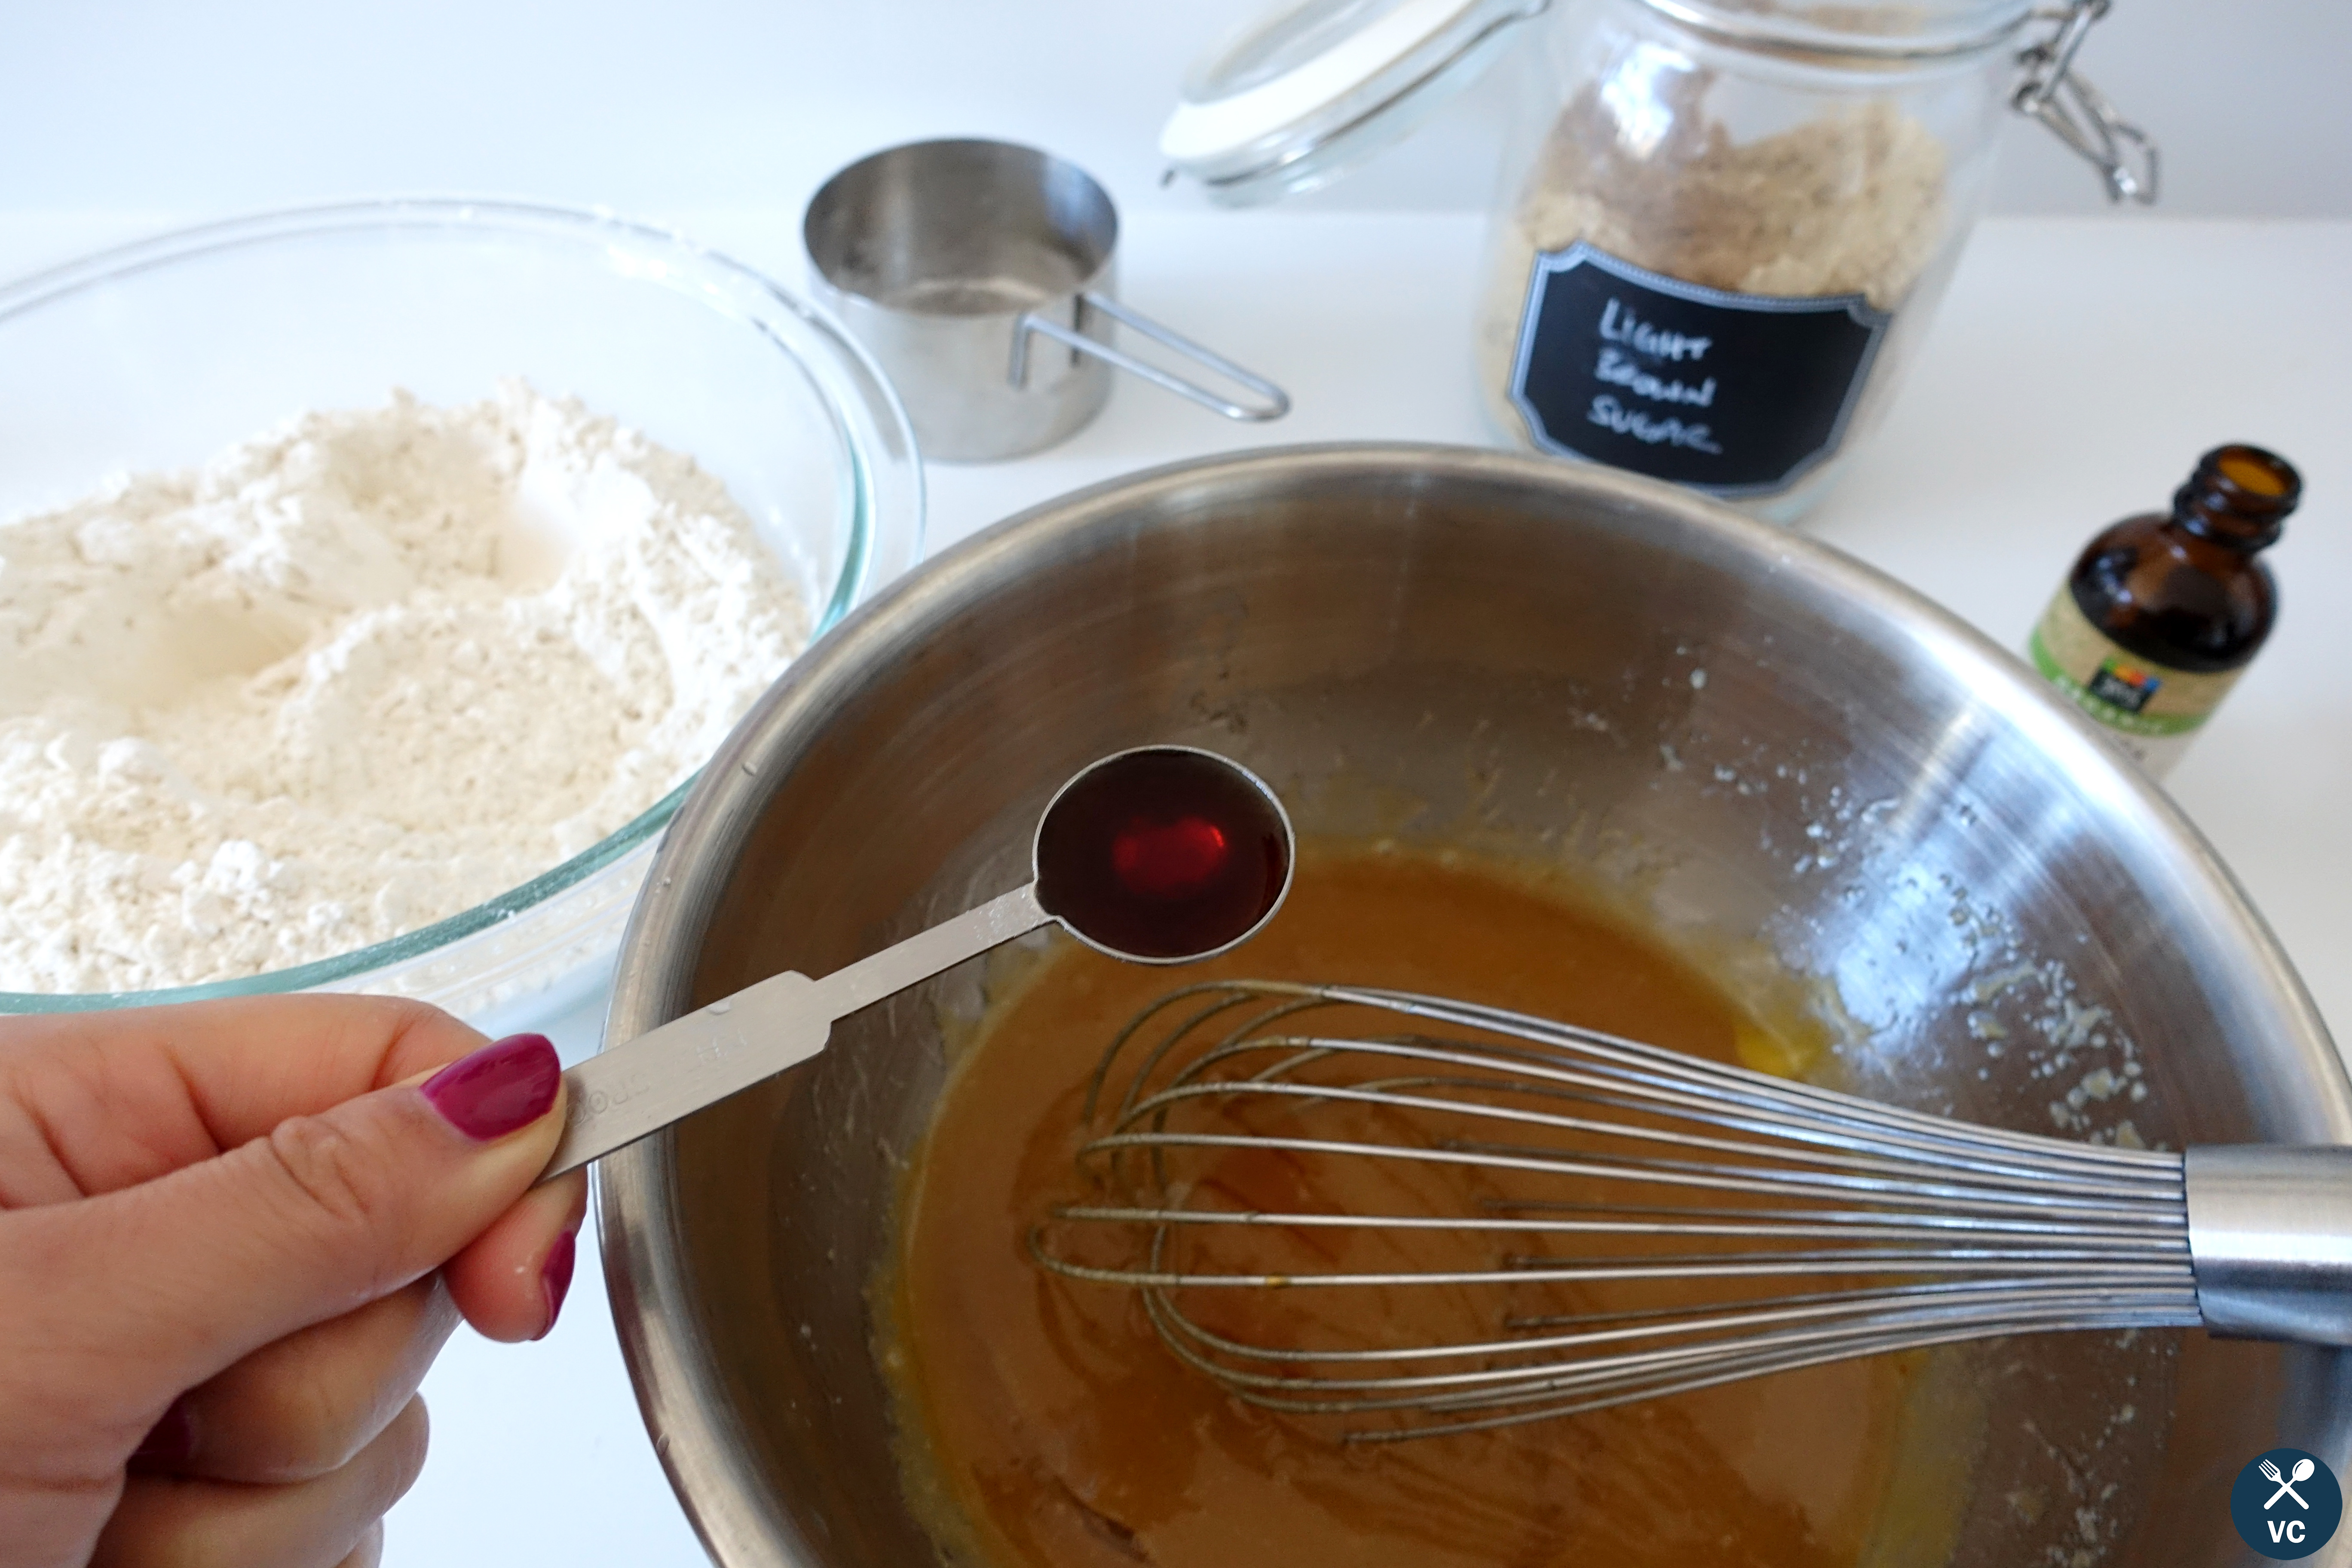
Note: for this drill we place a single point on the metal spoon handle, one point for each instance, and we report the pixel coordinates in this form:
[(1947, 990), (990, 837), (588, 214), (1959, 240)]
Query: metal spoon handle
[(626, 1092)]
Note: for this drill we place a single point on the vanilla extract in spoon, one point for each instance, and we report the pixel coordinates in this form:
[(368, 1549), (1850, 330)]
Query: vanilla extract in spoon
[(1156, 855)]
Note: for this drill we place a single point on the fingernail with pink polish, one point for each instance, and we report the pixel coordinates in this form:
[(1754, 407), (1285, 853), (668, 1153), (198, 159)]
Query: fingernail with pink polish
[(507, 1084), (171, 1441), (555, 1276)]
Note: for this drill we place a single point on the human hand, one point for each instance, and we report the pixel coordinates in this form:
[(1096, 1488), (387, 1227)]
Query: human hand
[(233, 1235)]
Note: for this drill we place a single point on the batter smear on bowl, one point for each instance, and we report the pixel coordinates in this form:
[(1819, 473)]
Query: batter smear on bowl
[(1043, 1423)]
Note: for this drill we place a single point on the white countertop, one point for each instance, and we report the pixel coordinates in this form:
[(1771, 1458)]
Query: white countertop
[(2078, 368)]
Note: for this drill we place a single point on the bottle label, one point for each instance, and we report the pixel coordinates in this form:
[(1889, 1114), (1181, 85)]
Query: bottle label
[(2153, 709), (1732, 394)]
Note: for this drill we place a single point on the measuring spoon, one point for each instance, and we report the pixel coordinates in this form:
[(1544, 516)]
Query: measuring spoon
[(1158, 855)]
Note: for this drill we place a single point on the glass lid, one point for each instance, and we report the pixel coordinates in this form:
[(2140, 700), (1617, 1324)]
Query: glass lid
[(1311, 89)]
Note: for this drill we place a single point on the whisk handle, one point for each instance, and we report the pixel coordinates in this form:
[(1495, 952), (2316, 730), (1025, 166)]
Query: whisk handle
[(2269, 1240)]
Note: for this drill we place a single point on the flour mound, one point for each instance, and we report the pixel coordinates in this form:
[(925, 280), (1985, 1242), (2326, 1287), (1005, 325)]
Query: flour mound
[(357, 675)]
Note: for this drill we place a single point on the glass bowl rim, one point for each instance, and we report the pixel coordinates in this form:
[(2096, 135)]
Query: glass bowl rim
[(493, 216)]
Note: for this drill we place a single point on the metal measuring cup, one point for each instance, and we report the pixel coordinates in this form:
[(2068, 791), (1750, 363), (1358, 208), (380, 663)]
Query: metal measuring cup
[(948, 259)]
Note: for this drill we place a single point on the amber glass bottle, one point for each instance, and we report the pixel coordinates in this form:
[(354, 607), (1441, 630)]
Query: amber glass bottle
[(2163, 611)]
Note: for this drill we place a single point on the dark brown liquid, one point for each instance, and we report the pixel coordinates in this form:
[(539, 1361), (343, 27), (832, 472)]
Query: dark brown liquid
[(1161, 853), (2183, 588), (1056, 1431)]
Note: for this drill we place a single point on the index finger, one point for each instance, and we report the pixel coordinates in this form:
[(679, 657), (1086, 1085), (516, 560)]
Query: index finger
[(122, 1097)]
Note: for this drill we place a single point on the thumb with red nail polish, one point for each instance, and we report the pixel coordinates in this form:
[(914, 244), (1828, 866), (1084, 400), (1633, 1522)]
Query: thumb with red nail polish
[(333, 1208), (228, 1277)]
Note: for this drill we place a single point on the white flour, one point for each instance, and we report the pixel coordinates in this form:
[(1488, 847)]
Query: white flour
[(359, 674)]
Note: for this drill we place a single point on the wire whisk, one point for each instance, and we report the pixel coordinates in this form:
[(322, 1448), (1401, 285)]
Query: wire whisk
[(1436, 1216)]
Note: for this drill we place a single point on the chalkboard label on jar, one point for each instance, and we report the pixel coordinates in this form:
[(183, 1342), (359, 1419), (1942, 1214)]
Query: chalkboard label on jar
[(1733, 393)]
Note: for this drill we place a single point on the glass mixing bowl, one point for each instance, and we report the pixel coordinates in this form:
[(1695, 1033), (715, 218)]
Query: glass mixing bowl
[(158, 354)]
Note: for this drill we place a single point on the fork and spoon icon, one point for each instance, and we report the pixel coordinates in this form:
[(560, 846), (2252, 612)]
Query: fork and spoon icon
[(2287, 1483)]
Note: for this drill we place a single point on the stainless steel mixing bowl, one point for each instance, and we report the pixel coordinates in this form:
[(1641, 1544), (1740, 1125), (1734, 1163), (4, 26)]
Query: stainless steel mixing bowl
[(1768, 748)]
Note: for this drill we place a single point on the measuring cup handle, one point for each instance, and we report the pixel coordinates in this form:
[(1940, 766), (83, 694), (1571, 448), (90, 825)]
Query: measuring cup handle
[(1276, 404)]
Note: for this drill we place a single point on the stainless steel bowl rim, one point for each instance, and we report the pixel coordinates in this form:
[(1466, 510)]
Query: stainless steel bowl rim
[(721, 1494)]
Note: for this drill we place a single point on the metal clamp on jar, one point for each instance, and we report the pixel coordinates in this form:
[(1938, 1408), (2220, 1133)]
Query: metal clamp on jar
[(1721, 226)]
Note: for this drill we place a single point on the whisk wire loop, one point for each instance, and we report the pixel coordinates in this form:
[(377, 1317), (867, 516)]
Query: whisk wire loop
[(1584, 1173)]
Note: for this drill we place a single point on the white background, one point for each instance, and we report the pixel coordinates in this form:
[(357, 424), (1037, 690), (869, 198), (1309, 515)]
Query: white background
[(663, 107)]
